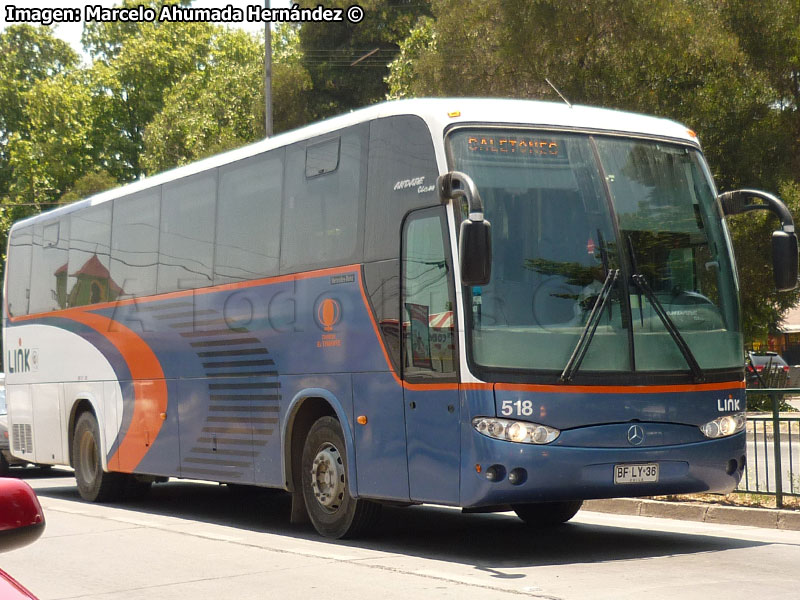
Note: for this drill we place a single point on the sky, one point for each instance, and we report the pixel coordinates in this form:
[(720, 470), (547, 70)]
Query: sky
[(71, 32)]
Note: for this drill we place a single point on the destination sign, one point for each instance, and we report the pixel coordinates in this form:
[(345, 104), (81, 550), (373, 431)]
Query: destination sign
[(514, 145)]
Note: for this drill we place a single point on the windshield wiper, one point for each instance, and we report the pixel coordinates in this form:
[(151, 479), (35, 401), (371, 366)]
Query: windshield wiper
[(574, 362), (669, 325)]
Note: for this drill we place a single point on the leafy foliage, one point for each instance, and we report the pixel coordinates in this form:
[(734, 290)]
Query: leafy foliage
[(90, 184), (331, 52), (134, 66), (222, 106), (726, 69)]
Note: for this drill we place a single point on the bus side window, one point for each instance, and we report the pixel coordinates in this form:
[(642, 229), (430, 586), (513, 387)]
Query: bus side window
[(50, 265), (402, 177), (19, 271), (89, 257), (186, 251), (382, 281), (428, 323), (134, 243), (323, 198), (249, 218)]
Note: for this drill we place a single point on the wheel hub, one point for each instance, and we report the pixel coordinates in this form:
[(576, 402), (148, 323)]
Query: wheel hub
[(328, 477), (88, 456)]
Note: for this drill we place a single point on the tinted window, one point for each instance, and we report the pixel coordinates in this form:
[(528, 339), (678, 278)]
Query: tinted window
[(382, 280), (88, 278), (50, 266), (402, 176), (249, 218), (19, 260), (186, 249), (134, 242), (322, 158), (321, 213), (429, 340)]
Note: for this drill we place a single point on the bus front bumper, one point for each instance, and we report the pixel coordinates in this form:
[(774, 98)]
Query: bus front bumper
[(498, 472)]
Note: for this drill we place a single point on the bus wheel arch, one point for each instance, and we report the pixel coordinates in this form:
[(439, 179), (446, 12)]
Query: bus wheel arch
[(302, 414)]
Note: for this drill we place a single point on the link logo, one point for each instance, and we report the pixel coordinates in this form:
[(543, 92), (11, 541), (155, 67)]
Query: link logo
[(22, 360), (728, 404)]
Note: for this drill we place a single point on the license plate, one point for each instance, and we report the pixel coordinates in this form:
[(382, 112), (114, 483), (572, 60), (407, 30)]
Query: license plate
[(645, 473)]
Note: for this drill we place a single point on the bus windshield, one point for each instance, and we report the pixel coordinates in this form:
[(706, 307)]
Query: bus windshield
[(566, 209)]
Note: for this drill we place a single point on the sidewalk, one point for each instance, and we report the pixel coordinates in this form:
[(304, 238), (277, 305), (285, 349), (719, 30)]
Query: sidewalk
[(769, 518)]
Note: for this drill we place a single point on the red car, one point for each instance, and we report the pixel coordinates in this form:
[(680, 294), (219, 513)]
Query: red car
[(21, 523)]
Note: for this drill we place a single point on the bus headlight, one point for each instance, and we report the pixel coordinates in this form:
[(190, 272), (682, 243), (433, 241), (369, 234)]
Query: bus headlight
[(724, 426), (521, 432)]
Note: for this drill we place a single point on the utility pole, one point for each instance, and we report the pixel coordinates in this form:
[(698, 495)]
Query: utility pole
[(267, 74)]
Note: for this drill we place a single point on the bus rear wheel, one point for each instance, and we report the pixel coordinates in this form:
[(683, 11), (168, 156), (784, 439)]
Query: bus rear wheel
[(332, 510), (94, 484), (547, 514)]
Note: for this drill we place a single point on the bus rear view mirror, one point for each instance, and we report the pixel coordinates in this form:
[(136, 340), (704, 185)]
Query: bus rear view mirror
[(475, 235), (784, 260), (475, 252), (784, 240)]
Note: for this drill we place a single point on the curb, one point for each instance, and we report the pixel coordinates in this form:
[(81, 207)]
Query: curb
[(769, 518)]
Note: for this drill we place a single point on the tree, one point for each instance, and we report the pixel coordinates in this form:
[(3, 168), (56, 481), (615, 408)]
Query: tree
[(55, 151), (135, 64), (222, 106), (331, 49), (674, 59), (90, 184), (28, 55)]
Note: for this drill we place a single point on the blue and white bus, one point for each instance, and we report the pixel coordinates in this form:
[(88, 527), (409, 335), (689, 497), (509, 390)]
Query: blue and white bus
[(475, 303)]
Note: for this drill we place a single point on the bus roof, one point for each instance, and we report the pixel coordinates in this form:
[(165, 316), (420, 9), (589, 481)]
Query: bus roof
[(439, 114)]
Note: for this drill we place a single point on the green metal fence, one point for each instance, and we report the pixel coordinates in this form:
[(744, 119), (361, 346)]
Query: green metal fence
[(773, 448)]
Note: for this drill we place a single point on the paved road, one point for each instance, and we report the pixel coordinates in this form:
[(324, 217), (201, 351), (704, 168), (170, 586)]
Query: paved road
[(194, 540)]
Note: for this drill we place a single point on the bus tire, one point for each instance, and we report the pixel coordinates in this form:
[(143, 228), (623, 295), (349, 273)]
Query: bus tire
[(547, 514), (94, 484), (332, 510), (4, 468)]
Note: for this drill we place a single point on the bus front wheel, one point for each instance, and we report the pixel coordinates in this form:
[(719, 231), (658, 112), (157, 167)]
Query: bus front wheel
[(94, 484), (547, 514), (332, 510)]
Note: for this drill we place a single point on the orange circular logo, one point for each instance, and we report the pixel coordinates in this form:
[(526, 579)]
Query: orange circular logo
[(328, 313)]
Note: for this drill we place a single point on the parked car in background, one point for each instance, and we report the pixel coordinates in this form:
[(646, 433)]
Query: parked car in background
[(21, 523), (766, 369)]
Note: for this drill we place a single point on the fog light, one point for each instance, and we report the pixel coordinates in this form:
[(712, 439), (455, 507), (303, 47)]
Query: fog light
[(495, 473), (517, 476)]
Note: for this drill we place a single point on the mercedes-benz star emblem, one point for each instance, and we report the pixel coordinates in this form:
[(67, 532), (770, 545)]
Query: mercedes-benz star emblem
[(635, 435)]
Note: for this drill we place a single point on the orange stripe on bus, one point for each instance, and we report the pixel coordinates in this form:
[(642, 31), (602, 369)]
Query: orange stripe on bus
[(149, 386), (617, 389)]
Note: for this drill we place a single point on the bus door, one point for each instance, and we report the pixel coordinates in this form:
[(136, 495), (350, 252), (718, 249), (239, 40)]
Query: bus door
[(431, 397)]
